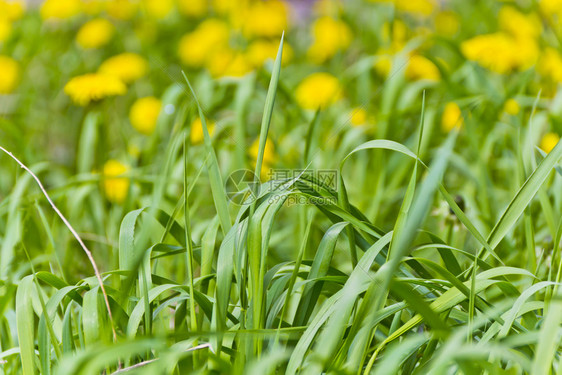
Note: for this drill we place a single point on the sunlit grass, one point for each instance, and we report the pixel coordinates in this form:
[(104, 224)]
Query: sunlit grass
[(435, 250)]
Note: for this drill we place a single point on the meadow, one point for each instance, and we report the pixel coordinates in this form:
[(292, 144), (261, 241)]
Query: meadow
[(280, 187)]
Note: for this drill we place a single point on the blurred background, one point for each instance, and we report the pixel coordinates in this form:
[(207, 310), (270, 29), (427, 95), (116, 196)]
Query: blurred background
[(92, 95)]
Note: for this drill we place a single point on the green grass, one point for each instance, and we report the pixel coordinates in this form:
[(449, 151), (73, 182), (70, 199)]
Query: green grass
[(437, 254), (413, 303)]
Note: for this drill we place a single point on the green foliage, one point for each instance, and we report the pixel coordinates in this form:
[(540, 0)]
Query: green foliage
[(437, 252)]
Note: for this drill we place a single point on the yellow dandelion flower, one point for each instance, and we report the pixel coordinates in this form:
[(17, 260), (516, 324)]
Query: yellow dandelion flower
[(447, 23), (550, 65), (395, 35), (11, 10), (196, 47), (549, 141), (95, 33), (222, 6), (220, 61), (383, 63), (452, 117), (527, 53), (144, 114), (420, 67), (266, 18), (551, 7), (5, 29), (193, 8), (93, 7), (158, 9), (482, 47), (228, 63), (318, 90), (10, 74), (330, 37), (115, 185), (196, 131), (60, 9), (511, 107), (500, 52), (128, 67), (419, 7), (268, 152), (93, 87), (122, 9), (237, 67), (358, 116), (518, 24), (260, 51)]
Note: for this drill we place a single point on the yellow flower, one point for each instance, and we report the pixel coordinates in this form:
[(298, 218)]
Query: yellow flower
[(158, 9), (121, 9), (115, 186), (447, 23), (526, 54), (196, 131), (260, 51), (518, 24), (551, 7), (549, 141), (144, 114), (383, 63), (237, 67), (196, 47), (420, 7), (10, 74), (5, 29), (228, 63), (420, 67), (452, 117), (222, 6), (95, 33), (93, 87), (318, 90), (60, 9), (394, 35), (358, 117), (266, 18), (93, 7), (511, 107), (128, 67), (11, 10), (268, 152), (330, 37), (550, 65), (193, 8), (501, 52)]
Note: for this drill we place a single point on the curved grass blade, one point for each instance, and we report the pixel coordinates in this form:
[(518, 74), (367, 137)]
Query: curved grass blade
[(217, 186)]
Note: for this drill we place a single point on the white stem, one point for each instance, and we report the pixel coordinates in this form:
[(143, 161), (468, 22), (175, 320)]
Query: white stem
[(74, 233)]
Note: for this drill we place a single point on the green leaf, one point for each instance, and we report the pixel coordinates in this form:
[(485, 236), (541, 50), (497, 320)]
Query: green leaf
[(268, 110), (25, 324), (217, 186)]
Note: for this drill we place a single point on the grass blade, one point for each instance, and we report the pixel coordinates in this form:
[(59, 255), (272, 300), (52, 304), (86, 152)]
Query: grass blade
[(25, 324)]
